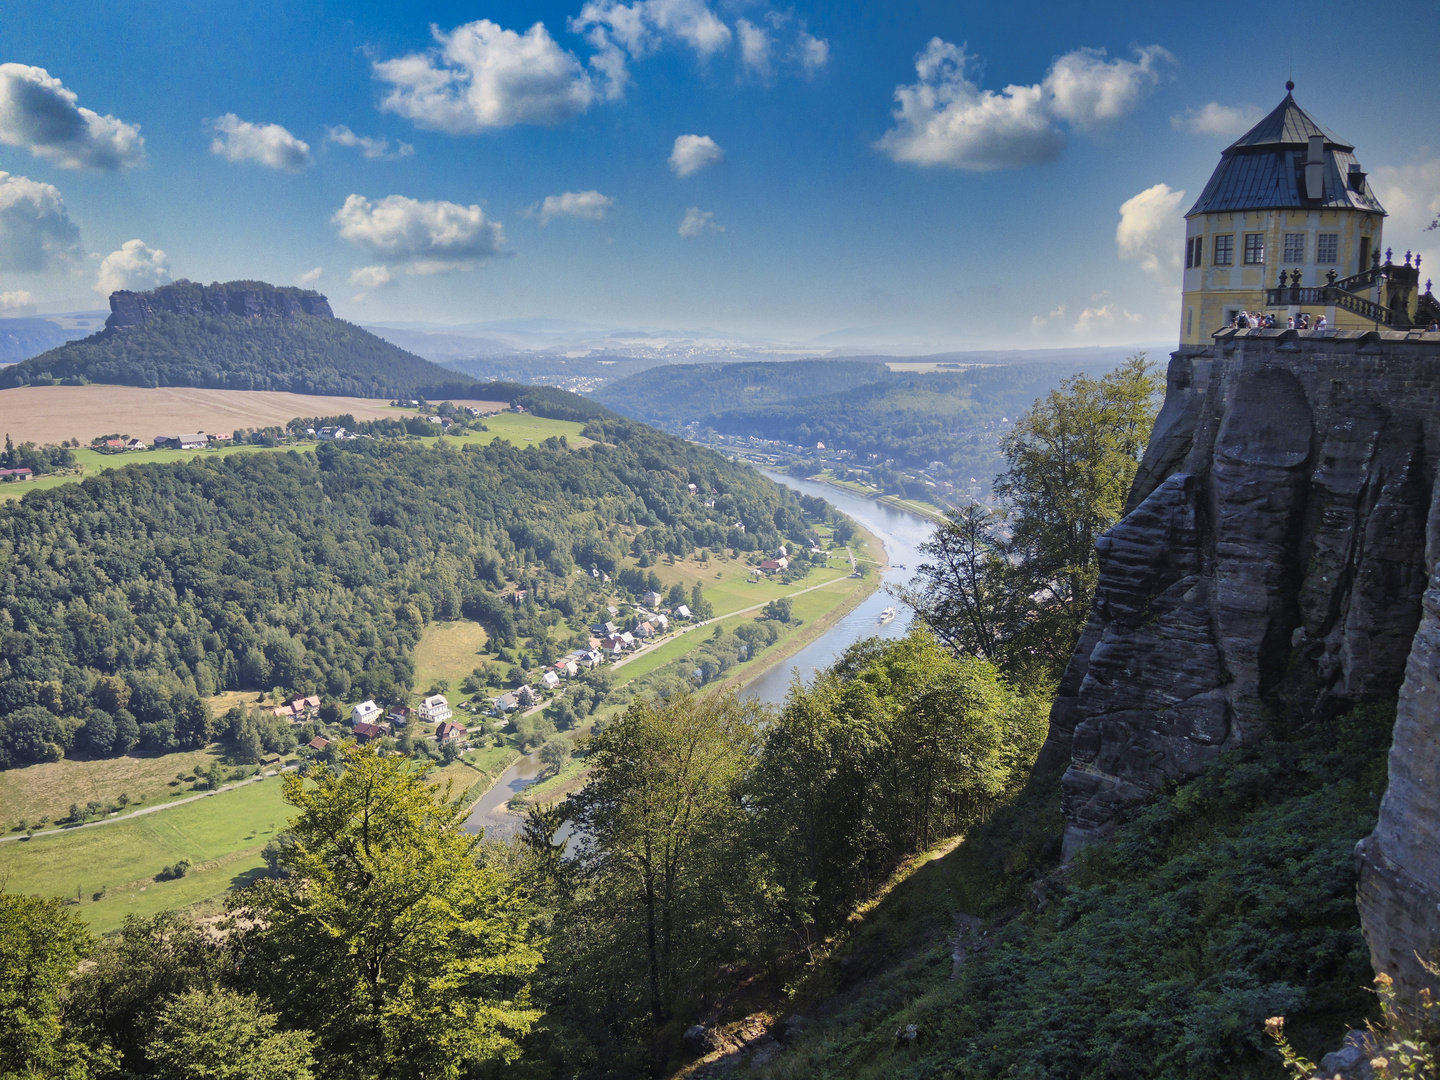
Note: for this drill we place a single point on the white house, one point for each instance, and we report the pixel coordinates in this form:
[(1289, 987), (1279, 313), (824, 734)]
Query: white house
[(661, 622), (367, 712), (550, 680), (682, 612), (434, 709)]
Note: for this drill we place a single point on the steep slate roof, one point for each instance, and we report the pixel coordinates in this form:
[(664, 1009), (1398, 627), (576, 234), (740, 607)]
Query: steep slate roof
[(1265, 168)]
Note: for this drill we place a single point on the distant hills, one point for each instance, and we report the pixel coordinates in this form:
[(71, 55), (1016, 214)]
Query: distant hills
[(22, 338), (238, 335)]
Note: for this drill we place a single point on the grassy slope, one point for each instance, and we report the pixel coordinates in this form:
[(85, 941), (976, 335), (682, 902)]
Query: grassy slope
[(222, 836), (47, 790), (518, 428), (1228, 900), (448, 651)]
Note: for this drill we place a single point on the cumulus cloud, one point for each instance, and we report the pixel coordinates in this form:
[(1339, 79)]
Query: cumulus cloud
[(1150, 230), (1039, 321), (1217, 119), (585, 205), (372, 277), (370, 148), (310, 277), (761, 47), (641, 27), (240, 141), (1411, 193), (698, 222), (424, 237), (947, 119), (36, 233), (18, 302), (39, 114), (136, 266), (691, 153), (481, 76), (1102, 318)]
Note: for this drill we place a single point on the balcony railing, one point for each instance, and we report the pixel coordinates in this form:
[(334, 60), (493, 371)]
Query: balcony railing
[(1333, 295)]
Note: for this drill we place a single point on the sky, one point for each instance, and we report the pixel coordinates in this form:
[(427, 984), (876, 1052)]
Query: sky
[(941, 175)]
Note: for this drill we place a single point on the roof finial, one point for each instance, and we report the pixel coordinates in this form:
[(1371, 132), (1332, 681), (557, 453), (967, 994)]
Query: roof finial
[(1289, 85)]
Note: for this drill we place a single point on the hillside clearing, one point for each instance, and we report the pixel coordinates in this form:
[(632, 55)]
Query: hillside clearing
[(47, 790)]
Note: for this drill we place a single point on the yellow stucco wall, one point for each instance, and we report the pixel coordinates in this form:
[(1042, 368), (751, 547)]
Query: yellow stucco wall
[(1209, 292)]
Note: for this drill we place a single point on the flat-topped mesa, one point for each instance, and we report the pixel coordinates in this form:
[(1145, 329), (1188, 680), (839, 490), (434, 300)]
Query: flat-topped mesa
[(1271, 572), (247, 299)]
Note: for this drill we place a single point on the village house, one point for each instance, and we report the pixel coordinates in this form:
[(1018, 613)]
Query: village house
[(774, 566), (448, 732), (318, 743), (682, 612), (181, 442), (550, 680), (11, 476), (568, 667), (303, 708), (329, 434), (220, 437), (526, 697), (661, 622), (399, 716), (364, 713), (652, 599), (644, 630), (505, 703), (434, 709), (364, 732)]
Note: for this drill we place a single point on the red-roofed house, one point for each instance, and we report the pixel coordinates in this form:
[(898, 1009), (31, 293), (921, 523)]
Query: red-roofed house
[(448, 732)]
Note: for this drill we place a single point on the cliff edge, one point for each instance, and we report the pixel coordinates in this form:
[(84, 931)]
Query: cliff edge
[(1272, 571), (248, 299)]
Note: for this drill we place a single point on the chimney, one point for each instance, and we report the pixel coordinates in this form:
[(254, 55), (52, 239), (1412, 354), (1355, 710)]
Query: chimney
[(1315, 168)]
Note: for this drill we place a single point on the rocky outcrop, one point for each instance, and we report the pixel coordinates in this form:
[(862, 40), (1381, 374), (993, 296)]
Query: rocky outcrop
[(1268, 574), (248, 299)]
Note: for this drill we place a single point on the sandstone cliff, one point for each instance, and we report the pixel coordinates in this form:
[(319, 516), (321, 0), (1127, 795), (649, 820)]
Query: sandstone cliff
[(1268, 574), (248, 299)]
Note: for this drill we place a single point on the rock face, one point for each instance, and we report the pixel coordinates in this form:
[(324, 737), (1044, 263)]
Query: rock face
[(248, 299), (1269, 574)]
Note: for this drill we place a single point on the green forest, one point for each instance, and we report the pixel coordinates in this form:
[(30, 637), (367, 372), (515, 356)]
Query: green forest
[(955, 417), (129, 597), (303, 354)]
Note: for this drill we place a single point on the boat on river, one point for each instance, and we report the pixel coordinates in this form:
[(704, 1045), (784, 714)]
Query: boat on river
[(886, 616)]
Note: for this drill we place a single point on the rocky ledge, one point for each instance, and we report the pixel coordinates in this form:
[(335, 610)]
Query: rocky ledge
[(1271, 572)]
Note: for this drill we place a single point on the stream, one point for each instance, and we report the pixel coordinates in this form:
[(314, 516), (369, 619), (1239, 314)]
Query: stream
[(901, 532)]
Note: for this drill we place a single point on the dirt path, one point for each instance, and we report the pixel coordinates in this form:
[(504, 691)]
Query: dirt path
[(148, 810)]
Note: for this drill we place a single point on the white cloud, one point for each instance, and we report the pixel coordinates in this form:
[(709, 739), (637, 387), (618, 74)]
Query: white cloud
[(1038, 321), (36, 233), (813, 53), (641, 27), (585, 205), (482, 76), (38, 113), (271, 145), (947, 119), (370, 148), (1217, 119), (310, 277), (18, 302), (1101, 318), (135, 266), (691, 153), (372, 277), (1150, 230), (754, 47), (698, 222), (425, 237), (1411, 193)]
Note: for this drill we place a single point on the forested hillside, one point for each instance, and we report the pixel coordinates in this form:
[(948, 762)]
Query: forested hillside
[(128, 597), (208, 345), (954, 417)]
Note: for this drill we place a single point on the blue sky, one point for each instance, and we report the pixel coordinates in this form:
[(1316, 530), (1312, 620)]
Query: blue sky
[(845, 172)]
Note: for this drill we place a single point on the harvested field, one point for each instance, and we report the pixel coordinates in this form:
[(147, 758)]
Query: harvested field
[(50, 414)]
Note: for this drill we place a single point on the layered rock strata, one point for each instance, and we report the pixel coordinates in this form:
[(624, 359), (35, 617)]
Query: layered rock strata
[(1269, 574)]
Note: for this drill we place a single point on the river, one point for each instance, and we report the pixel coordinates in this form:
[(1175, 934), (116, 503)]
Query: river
[(901, 532)]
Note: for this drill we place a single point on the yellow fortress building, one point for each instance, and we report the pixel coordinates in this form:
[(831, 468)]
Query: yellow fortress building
[(1288, 226)]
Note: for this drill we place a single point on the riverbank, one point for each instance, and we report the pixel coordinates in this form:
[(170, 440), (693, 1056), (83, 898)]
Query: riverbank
[(928, 511)]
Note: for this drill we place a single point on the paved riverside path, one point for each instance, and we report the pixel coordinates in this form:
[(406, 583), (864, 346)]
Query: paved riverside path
[(148, 810)]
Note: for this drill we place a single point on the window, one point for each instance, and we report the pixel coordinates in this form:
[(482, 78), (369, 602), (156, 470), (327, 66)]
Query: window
[(1189, 321), (1254, 248), (1193, 248), (1295, 247), (1364, 255), (1225, 250), (1327, 248)]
